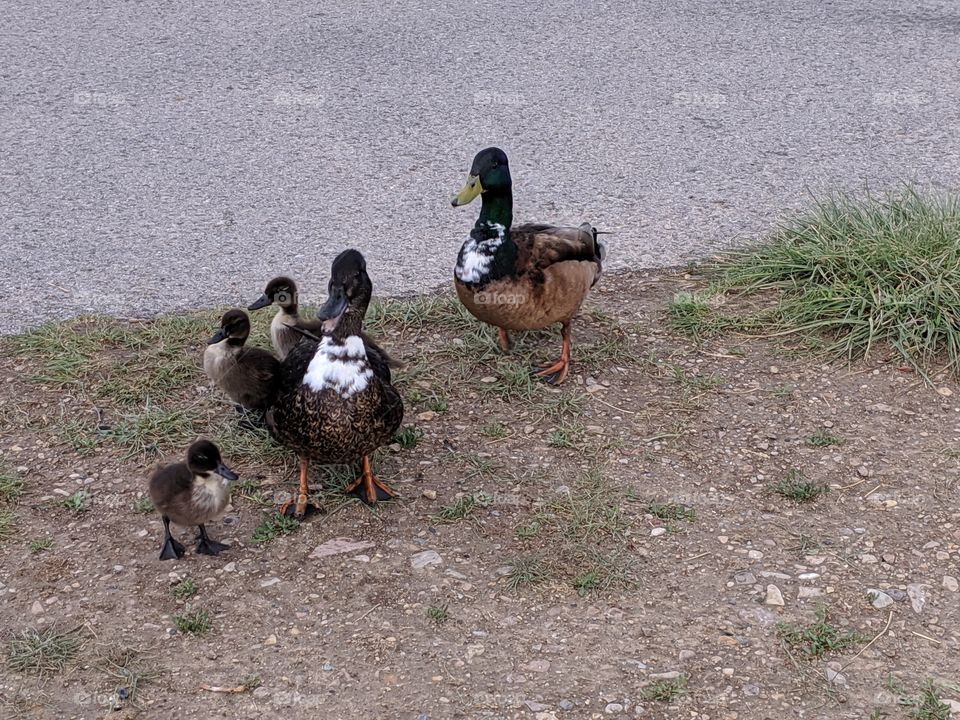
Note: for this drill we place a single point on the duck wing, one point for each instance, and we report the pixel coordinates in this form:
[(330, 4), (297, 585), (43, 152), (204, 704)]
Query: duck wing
[(541, 246)]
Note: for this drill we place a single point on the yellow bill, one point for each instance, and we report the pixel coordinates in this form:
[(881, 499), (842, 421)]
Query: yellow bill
[(469, 192)]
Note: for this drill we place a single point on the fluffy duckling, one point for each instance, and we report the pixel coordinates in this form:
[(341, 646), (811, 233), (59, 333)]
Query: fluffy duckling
[(336, 403), (194, 492), (247, 375), (522, 277)]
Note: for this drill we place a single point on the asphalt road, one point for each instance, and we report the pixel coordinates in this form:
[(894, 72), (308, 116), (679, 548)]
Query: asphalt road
[(157, 156)]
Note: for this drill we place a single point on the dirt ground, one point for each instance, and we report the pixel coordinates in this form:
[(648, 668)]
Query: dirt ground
[(610, 549)]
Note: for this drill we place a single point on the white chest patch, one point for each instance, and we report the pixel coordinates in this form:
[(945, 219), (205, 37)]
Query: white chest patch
[(218, 359), (475, 257), (340, 367), (210, 495)]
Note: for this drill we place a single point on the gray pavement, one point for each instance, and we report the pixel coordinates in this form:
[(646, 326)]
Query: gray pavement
[(157, 156)]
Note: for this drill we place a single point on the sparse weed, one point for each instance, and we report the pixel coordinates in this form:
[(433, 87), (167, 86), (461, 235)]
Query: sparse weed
[(39, 545), (665, 691), (822, 437), (527, 571), (194, 622), (274, 526), (463, 507), (79, 502), (438, 613), (47, 650), (797, 488), (185, 589), (817, 639)]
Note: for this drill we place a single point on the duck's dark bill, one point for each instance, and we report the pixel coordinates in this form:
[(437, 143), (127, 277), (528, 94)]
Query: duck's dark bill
[(260, 302), (333, 308), (225, 472), (218, 336), (471, 189)]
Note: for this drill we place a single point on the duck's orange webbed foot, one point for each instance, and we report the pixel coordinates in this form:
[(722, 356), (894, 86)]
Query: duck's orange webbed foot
[(556, 372), (301, 504), (368, 487)]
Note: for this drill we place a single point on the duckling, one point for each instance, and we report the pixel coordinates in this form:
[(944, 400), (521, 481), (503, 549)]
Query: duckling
[(522, 277), (247, 375), (335, 404), (282, 292), (194, 492)]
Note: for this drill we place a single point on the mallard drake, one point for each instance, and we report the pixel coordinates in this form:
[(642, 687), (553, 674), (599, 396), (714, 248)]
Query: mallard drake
[(522, 277), (247, 375), (335, 403), (194, 492)]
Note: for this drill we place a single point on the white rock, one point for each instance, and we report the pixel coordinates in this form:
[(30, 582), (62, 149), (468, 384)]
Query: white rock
[(754, 554), (338, 546), (657, 531), (425, 559), (669, 675), (805, 592), (36, 608), (879, 599), (613, 708), (917, 592), (269, 581), (774, 596), (950, 583)]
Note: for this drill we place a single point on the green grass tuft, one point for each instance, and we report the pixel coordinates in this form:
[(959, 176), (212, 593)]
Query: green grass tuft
[(824, 438), (671, 511), (11, 485), (438, 613), (665, 691), (817, 639), (463, 507), (79, 502), (143, 505), (797, 488), (195, 622), (274, 526), (527, 571), (866, 272), (927, 705), (407, 437), (8, 525), (39, 545), (185, 589)]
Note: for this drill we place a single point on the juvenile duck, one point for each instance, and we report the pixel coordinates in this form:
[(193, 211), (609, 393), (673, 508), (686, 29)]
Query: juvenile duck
[(247, 375), (522, 277), (194, 492), (287, 323), (282, 292), (335, 403)]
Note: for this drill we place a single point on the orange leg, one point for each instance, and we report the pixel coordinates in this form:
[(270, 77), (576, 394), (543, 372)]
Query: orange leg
[(298, 507), (556, 372), (367, 487), (505, 343)]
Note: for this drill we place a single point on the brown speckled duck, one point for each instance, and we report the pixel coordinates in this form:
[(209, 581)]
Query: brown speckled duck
[(247, 375), (194, 492), (522, 277), (335, 403)]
